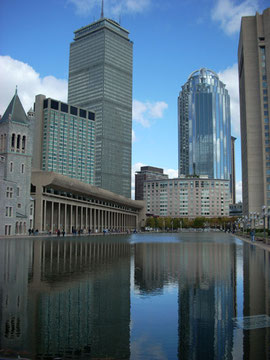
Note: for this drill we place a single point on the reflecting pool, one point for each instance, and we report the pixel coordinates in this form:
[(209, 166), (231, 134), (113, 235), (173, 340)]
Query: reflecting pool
[(140, 296)]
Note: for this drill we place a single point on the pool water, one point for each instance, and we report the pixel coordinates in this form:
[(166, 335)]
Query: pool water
[(140, 296)]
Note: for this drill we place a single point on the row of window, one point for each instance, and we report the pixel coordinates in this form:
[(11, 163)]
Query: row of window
[(11, 167)]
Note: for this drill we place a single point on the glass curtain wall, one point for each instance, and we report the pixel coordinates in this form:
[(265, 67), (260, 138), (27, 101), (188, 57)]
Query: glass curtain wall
[(204, 126)]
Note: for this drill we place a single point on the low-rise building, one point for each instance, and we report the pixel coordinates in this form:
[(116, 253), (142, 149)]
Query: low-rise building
[(63, 203), (187, 197)]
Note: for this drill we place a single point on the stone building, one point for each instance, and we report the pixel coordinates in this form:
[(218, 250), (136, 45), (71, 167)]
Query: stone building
[(15, 169)]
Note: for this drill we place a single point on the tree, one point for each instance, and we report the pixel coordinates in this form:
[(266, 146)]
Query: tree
[(199, 222)]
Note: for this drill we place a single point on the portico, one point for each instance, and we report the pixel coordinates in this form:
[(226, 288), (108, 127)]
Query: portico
[(65, 203)]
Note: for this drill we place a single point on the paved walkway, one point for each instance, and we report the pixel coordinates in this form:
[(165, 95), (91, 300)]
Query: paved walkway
[(257, 242), (47, 236)]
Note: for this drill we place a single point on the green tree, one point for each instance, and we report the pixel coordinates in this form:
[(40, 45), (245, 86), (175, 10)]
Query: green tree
[(150, 221), (199, 222)]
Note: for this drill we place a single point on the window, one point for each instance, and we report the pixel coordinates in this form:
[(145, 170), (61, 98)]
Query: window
[(73, 110), (23, 143), (64, 107), (54, 104), (11, 166), (19, 205), (18, 191), (13, 142), (8, 211), (91, 115), (7, 229), (45, 104), (18, 142), (22, 168)]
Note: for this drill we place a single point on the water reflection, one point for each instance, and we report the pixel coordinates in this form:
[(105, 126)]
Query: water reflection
[(73, 298)]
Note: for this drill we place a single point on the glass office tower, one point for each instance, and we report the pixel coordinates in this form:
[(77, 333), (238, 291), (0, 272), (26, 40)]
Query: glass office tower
[(204, 127), (100, 79)]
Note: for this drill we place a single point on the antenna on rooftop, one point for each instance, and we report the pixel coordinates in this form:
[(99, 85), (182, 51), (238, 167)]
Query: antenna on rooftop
[(102, 9)]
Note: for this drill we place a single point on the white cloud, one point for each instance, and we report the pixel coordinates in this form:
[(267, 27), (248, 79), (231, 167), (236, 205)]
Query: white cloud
[(229, 14), (172, 173), (230, 77), (133, 136), (238, 190), (29, 82), (143, 113), (111, 7)]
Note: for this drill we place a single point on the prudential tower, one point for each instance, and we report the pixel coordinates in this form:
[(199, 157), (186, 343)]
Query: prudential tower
[(100, 79), (204, 126)]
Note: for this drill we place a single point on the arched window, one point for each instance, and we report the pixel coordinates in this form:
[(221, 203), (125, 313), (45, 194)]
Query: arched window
[(5, 142), (13, 139), (18, 142), (23, 143), (11, 166), (1, 142)]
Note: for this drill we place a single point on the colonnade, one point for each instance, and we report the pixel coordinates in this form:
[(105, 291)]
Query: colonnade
[(88, 218)]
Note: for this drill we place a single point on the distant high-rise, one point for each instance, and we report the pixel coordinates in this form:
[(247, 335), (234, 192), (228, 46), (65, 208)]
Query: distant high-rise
[(254, 80), (100, 79), (233, 186), (146, 173), (64, 139), (204, 127)]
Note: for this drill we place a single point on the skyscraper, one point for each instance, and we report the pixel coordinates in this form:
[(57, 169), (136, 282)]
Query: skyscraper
[(100, 79), (64, 139), (254, 77), (204, 127)]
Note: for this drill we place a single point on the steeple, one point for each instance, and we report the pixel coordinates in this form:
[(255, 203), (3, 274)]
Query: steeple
[(102, 9), (15, 111)]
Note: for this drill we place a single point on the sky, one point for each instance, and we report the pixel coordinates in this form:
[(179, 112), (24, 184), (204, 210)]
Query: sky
[(171, 39)]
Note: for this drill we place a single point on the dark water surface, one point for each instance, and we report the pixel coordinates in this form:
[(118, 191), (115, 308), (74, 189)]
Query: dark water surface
[(153, 296)]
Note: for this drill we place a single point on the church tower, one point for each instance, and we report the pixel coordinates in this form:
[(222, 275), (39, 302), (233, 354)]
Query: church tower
[(15, 169)]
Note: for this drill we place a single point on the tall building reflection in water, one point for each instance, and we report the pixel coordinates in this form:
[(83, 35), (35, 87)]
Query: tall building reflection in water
[(206, 277), (77, 301), (72, 299)]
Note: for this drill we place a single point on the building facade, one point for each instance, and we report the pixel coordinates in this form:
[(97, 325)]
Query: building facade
[(62, 203), (254, 88), (187, 197), (64, 139), (233, 185), (15, 169), (146, 173), (204, 127), (100, 79)]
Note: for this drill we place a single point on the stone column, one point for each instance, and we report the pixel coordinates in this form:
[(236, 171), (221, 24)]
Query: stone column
[(65, 220), (76, 216), (52, 214), (95, 220), (44, 227), (59, 215), (71, 218)]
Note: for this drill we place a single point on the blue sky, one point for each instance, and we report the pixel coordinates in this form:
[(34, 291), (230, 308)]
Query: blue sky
[(171, 39)]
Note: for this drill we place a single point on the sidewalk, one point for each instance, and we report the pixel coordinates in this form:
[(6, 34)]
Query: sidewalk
[(257, 242), (48, 236)]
